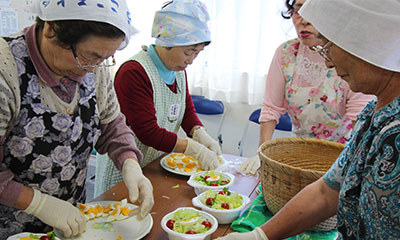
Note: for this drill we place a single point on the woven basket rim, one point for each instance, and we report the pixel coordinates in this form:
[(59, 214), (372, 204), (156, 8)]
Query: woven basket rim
[(297, 140)]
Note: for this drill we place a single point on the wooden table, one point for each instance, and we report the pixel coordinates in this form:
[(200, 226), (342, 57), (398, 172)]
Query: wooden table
[(167, 198)]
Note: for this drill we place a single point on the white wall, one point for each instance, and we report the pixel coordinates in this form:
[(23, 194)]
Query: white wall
[(14, 15)]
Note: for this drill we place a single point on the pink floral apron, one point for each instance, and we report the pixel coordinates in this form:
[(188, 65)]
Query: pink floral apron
[(314, 110)]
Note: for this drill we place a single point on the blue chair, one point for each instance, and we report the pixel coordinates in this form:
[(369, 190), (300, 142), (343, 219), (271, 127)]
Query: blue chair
[(206, 106), (284, 125)]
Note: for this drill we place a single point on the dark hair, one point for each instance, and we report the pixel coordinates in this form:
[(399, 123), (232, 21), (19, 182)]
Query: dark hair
[(70, 32), (290, 8)]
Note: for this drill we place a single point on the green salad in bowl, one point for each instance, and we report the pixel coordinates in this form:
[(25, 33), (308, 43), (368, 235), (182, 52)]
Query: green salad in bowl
[(221, 200), (224, 205), (212, 178), (189, 223), (215, 180)]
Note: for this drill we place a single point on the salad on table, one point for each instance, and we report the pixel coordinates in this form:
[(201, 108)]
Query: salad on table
[(221, 200), (188, 221), (212, 178), (48, 236)]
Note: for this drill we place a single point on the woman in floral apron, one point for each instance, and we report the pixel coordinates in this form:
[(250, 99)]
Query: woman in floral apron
[(57, 104), (154, 96), (320, 104)]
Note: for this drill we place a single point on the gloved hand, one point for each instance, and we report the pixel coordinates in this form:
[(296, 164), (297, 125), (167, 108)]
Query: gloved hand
[(207, 158), (200, 135), (57, 213), (250, 166), (139, 187), (256, 234)]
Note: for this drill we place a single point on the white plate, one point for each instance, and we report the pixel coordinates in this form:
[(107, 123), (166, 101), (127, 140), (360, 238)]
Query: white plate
[(164, 165), (129, 229), (26, 234)]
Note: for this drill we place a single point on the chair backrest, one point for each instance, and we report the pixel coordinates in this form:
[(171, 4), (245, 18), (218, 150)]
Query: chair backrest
[(206, 106), (284, 121)]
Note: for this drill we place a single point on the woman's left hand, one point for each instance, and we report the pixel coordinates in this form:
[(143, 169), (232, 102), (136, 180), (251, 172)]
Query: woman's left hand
[(201, 136), (139, 187)]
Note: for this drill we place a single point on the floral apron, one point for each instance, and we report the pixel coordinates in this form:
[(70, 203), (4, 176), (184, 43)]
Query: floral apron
[(46, 150), (170, 109), (314, 110)]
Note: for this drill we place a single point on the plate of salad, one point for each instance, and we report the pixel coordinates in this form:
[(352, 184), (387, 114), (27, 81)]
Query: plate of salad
[(181, 164), (111, 220), (34, 236)]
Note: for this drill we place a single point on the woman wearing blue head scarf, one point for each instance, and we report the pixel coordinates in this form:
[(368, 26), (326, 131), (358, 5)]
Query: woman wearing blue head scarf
[(57, 103), (153, 92)]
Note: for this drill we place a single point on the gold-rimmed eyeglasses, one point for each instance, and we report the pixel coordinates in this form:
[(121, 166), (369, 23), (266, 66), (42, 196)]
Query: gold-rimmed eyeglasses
[(323, 50), (110, 62)]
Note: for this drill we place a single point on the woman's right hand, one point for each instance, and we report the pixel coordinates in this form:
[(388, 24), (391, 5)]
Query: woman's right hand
[(207, 158), (57, 213), (250, 165)]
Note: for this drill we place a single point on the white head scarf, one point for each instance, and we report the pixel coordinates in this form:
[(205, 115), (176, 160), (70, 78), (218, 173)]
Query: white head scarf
[(114, 12), (367, 29), (181, 23)]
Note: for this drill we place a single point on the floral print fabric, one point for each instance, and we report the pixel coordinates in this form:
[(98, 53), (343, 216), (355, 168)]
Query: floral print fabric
[(47, 150), (314, 110), (367, 176)]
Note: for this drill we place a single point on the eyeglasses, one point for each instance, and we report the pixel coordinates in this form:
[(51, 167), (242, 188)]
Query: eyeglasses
[(323, 51), (105, 63)]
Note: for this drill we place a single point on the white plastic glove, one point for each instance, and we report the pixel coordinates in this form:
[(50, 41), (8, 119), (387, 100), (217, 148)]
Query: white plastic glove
[(250, 166), (207, 158), (139, 187), (57, 213), (256, 234), (200, 135)]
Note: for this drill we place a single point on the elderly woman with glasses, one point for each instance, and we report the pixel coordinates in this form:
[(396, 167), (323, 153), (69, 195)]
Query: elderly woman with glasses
[(320, 104), (362, 187), (154, 95), (57, 104)]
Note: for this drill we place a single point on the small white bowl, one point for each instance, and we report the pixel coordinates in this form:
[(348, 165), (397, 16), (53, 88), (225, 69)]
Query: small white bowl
[(172, 235), (199, 188), (26, 234), (223, 216)]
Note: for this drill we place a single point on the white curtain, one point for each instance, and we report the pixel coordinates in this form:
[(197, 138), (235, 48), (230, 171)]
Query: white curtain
[(245, 35)]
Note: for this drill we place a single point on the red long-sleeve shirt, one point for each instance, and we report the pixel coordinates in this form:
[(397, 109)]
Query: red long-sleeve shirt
[(135, 95)]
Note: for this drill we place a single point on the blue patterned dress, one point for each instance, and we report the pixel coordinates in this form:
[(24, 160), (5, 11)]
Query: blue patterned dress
[(367, 176)]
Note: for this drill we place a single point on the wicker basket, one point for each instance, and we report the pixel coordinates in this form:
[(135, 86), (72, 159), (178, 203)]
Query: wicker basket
[(290, 164)]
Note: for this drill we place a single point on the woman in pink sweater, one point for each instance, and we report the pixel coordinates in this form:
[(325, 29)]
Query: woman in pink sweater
[(320, 103)]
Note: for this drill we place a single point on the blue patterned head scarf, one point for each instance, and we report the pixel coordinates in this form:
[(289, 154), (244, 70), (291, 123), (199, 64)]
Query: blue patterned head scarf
[(114, 12), (181, 23)]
